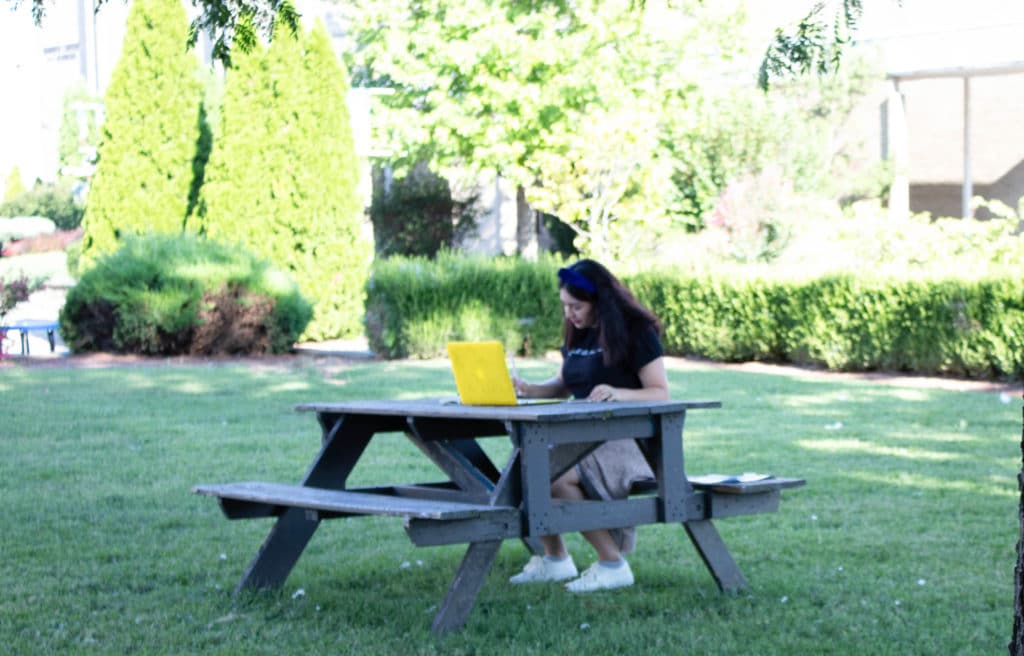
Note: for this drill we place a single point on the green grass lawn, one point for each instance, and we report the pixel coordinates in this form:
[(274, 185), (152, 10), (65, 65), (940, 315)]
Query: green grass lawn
[(902, 542)]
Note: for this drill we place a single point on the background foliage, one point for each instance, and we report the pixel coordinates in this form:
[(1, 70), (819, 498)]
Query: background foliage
[(530, 90), (416, 305), (416, 214), (282, 176), (164, 294), (842, 322), (54, 201), (144, 175)]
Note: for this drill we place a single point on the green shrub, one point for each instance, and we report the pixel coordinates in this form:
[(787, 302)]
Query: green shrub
[(416, 305), (842, 322), (926, 326), (181, 294), (55, 201), (416, 214)]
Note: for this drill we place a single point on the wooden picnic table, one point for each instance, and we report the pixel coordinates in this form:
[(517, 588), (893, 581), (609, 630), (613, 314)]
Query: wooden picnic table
[(482, 503)]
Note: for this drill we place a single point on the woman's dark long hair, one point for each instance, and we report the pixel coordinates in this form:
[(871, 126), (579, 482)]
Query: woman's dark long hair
[(619, 315)]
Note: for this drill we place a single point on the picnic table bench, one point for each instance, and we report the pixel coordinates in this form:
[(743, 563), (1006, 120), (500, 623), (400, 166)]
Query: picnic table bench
[(482, 503)]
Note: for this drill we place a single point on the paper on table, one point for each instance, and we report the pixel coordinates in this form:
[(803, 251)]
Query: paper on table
[(729, 479)]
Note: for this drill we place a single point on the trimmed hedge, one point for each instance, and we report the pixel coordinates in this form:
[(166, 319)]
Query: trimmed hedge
[(414, 306), (165, 294), (969, 328)]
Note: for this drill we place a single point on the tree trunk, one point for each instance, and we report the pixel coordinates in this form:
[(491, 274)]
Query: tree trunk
[(1017, 642), (526, 226)]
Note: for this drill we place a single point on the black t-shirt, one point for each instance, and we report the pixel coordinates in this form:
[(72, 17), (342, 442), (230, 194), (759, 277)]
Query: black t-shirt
[(583, 365)]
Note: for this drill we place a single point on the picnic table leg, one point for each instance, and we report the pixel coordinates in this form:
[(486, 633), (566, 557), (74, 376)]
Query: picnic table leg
[(343, 443), (715, 555), (466, 586), (280, 551)]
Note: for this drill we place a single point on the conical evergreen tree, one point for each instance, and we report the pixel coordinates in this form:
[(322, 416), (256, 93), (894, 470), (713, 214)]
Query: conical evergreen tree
[(148, 142), (282, 177)]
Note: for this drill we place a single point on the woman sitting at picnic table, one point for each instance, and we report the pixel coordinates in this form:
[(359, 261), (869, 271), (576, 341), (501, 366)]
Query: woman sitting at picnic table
[(611, 352)]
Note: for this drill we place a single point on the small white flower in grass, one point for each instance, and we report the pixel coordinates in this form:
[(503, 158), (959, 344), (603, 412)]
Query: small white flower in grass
[(897, 602), (1004, 397), (405, 565), (223, 556), (920, 581), (419, 563), (299, 593), (836, 426), (784, 599), (584, 626), (814, 518), (839, 569)]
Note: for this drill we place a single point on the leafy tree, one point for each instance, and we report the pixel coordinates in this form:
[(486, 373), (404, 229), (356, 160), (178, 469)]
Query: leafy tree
[(817, 43), (13, 185), (416, 214), (148, 143), (282, 176), (53, 200), (535, 92)]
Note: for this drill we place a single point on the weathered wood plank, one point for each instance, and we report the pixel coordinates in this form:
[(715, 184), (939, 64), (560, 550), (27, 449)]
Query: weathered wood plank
[(452, 461), (280, 551), (756, 487), (499, 525), (570, 411), (734, 505), (716, 556), (466, 586), (345, 501)]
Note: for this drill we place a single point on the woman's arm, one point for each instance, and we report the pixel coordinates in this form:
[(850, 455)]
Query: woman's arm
[(553, 388), (653, 386)]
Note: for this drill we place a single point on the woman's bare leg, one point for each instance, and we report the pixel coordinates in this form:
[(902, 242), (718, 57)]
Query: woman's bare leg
[(567, 486)]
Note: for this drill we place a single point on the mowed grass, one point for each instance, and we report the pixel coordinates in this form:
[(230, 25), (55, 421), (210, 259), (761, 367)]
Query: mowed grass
[(902, 542)]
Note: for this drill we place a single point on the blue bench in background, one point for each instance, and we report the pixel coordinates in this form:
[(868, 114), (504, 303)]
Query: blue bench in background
[(25, 326)]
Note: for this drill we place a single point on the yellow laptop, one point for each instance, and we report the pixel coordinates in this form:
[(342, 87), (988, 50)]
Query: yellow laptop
[(481, 375)]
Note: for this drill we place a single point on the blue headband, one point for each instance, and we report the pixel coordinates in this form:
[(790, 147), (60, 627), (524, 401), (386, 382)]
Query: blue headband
[(576, 279)]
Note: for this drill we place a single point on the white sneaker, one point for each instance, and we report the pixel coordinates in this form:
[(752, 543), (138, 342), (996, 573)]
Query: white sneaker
[(599, 577), (541, 569)]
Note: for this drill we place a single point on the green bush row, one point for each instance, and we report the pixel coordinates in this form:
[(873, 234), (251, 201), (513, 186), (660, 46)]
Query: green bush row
[(414, 306), (54, 201), (926, 326), (163, 294)]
